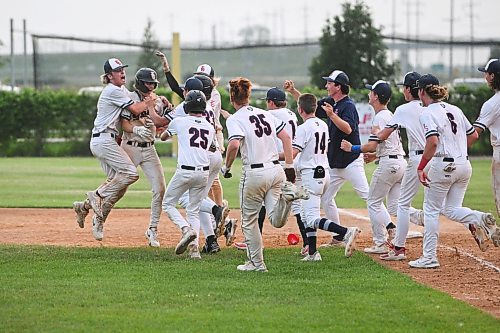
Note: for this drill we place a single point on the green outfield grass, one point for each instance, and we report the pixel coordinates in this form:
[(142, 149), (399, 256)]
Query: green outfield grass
[(57, 182), (54, 289)]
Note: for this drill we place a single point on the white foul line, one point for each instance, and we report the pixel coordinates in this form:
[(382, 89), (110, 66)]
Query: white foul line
[(462, 252)]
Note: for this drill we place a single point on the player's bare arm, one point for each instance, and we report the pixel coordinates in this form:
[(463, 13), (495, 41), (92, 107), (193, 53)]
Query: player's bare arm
[(368, 147), (289, 87), (138, 107), (384, 133), (288, 155), (337, 121), (231, 151), (429, 150), (474, 136), (164, 61)]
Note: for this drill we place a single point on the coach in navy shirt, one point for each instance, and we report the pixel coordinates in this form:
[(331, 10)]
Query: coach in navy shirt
[(343, 123)]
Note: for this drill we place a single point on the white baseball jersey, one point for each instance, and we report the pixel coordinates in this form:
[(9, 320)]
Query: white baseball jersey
[(392, 145), (311, 140), (407, 116), (257, 131), (489, 117), (194, 135), (290, 120), (112, 101), (126, 114), (450, 124)]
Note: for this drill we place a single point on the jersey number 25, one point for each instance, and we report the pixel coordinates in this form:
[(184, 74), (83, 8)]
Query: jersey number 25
[(199, 137)]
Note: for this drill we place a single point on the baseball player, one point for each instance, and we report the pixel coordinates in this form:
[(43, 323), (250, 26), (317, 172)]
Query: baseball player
[(195, 135), (342, 119), (386, 178), (311, 141), (447, 133), (141, 150), (119, 168), (406, 116), (254, 132), (489, 117)]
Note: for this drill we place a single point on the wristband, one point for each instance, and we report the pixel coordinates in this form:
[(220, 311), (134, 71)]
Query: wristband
[(422, 164), (356, 149), (288, 166)]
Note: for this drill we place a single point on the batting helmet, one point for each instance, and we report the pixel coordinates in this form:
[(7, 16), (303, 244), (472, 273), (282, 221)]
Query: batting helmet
[(208, 85), (195, 102), (145, 75)]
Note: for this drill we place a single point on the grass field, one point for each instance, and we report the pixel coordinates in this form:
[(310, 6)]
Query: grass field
[(57, 182), (58, 289)]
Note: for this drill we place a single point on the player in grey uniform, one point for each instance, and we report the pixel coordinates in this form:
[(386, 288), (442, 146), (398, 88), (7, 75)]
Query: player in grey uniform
[(386, 179), (407, 116), (311, 141), (119, 169), (489, 117), (448, 133), (141, 150), (195, 135), (254, 132)]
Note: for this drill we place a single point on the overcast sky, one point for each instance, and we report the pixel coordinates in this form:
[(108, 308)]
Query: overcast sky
[(287, 19)]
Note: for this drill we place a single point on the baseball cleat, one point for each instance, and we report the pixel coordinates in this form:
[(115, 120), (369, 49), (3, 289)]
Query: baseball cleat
[(81, 213), (230, 230), (291, 192), (375, 249), (333, 243), (304, 251), (489, 225), (394, 255), (152, 237), (424, 263), (221, 213), (312, 257), (211, 247), (249, 267), (96, 203), (479, 236), (350, 240), (97, 228), (187, 237), (194, 251)]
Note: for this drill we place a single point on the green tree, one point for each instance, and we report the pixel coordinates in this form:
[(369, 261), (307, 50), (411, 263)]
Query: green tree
[(150, 43), (352, 44)]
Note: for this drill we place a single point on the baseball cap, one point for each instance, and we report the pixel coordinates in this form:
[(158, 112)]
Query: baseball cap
[(410, 79), (113, 64), (275, 94), (381, 88), (192, 83), (338, 77), (493, 66), (427, 80), (205, 69)]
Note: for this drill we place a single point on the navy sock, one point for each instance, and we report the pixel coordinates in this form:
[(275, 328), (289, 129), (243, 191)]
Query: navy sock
[(311, 239), (390, 226), (302, 230), (262, 217), (327, 225)]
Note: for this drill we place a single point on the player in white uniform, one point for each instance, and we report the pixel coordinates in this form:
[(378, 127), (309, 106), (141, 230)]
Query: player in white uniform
[(141, 149), (195, 136), (407, 116), (489, 117), (311, 141), (448, 133), (253, 131), (386, 179), (119, 169)]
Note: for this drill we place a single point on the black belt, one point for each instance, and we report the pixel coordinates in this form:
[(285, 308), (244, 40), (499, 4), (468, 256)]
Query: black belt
[(261, 165), (419, 152), (96, 135), (141, 144), (212, 149), (394, 156), (451, 159), (192, 168)]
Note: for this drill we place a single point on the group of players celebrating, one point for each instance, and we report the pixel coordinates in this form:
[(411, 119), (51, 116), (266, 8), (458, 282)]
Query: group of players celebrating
[(289, 167)]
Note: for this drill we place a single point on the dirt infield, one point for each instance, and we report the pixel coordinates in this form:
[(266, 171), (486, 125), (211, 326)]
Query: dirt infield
[(463, 274)]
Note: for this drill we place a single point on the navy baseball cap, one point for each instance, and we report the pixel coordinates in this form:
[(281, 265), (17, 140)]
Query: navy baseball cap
[(410, 79), (275, 94), (113, 64), (192, 83), (427, 80), (338, 77), (381, 88), (493, 66)]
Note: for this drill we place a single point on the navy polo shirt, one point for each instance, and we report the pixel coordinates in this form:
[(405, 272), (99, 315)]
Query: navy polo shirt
[(346, 110)]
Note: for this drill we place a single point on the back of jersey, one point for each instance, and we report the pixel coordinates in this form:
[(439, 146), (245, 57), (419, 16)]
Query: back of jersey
[(257, 131), (290, 120), (312, 141), (450, 124)]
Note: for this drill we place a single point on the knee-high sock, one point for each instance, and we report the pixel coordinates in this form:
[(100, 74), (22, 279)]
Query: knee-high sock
[(311, 239)]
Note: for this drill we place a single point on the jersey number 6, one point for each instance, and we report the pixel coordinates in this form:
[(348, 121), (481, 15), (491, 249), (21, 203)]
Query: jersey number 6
[(199, 138)]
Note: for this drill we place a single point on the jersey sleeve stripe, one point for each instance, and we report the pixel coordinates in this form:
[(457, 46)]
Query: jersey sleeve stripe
[(374, 138), (480, 125), (280, 127), (235, 137), (431, 133), (125, 105), (168, 116), (296, 146), (125, 116), (470, 131), (395, 126)]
